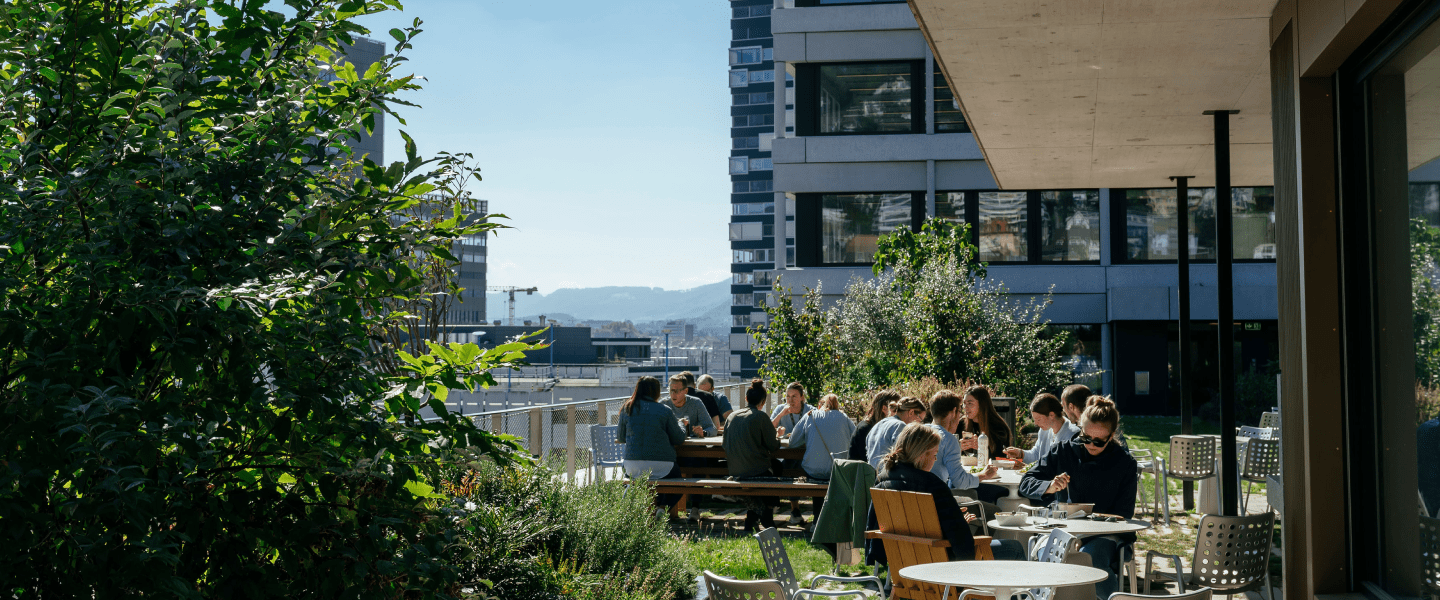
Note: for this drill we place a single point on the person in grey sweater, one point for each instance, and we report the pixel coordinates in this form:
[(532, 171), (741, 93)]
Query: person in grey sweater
[(749, 443), (649, 432), (689, 407), (824, 433)]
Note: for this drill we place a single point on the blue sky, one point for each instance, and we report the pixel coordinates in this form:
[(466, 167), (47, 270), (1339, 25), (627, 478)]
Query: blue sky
[(601, 127)]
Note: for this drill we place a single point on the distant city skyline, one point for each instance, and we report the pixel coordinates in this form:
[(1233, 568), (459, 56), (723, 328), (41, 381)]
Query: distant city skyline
[(598, 129)]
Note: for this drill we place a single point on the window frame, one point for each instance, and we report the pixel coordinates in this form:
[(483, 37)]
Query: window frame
[(807, 97), (1119, 242), (1033, 250), (810, 229)]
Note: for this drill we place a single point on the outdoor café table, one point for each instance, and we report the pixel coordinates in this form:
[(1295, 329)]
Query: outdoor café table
[(1009, 478), (1003, 577), (1077, 527), (711, 447)]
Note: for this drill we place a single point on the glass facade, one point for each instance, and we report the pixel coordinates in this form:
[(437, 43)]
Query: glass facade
[(948, 117), (866, 98), (851, 224), (1150, 224), (1003, 226), (1070, 226)]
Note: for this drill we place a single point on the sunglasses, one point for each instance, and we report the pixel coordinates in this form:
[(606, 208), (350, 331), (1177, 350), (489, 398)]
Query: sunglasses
[(1098, 443)]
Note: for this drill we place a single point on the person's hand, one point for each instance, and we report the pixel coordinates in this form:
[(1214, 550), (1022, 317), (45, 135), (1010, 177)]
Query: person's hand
[(990, 471), (969, 443), (1060, 482), (969, 518), (1014, 453), (780, 432), (699, 431)]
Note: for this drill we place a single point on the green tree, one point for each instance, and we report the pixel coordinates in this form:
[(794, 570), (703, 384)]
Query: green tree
[(793, 344), (195, 273), (1425, 300)]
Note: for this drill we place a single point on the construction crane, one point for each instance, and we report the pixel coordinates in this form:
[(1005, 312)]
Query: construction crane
[(510, 289)]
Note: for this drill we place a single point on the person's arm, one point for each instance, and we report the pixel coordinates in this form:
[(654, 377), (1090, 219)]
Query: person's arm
[(780, 411), (1125, 493), (673, 431), (768, 440), (702, 418), (949, 456), (1042, 443), (1037, 480), (875, 446), (622, 428), (802, 433)]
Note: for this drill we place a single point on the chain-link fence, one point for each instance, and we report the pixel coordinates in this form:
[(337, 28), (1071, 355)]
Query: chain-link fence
[(561, 433)]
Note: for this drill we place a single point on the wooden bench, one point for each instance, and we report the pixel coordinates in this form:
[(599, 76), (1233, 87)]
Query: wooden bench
[(779, 489)]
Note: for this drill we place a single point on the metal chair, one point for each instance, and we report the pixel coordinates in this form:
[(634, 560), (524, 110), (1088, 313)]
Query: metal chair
[(725, 588), (1147, 463), (977, 508), (1200, 594), (777, 563), (1258, 433), (1232, 556), (1192, 458), (1052, 547), (604, 450), (1430, 556), (1270, 420), (1262, 460)]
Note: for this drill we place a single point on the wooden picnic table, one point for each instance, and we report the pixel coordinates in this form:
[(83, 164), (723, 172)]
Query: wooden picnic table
[(712, 447)]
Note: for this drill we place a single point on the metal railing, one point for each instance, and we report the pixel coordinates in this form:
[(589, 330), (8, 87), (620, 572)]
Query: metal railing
[(561, 432)]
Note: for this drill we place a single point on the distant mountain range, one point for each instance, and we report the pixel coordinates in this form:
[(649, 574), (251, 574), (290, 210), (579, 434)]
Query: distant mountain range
[(699, 305)]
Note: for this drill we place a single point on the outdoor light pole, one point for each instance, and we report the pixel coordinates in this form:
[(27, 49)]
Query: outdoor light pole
[(667, 353), (1225, 315), (1182, 225)]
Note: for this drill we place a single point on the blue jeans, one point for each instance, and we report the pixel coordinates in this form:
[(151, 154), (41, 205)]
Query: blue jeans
[(1105, 554), (1007, 549)]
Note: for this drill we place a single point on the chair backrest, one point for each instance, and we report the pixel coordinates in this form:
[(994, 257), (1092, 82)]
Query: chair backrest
[(1270, 419), (1191, 456), (1262, 457), (910, 530), (603, 445), (724, 588), (1203, 593), (1430, 555), (1052, 547), (1232, 554), (777, 561), (1263, 433)]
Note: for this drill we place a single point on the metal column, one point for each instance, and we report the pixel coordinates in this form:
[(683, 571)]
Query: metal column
[(1224, 272), (1182, 226)]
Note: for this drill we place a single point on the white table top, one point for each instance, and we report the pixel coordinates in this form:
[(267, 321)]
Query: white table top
[(1005, 477), (1009, 574), (1077, 527)]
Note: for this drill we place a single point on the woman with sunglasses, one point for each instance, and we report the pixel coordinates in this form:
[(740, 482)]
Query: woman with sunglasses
[(1092, 468)]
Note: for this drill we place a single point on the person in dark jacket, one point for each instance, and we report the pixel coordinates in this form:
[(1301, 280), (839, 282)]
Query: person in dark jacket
[(749, 443), (879, 409), (1092, 468), (907, 468)]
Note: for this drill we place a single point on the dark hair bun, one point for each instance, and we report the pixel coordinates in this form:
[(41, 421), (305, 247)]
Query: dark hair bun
[(757, 384), (1101, 401)]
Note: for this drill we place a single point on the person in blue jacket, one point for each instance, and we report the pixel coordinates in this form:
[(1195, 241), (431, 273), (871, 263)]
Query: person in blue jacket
[(1092, 468)]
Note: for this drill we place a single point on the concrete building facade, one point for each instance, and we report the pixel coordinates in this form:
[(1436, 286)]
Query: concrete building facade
[(876, 140)]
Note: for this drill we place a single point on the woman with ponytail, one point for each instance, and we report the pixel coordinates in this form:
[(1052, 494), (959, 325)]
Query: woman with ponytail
[(1092, 468)]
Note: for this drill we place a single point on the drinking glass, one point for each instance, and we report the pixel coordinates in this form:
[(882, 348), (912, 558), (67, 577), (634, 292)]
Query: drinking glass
[(1044, 516)]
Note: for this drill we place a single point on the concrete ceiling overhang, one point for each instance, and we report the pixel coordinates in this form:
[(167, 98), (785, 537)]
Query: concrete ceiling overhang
[(1108, 93)]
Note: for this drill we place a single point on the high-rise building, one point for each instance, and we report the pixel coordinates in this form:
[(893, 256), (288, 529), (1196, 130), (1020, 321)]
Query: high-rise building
[(472, 250), (872, 139), (755, 103)]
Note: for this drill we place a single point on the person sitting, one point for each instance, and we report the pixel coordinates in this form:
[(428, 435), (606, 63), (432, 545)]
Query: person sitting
[(749, 443), (882, 436), (878, 410), (982, 418), (906, 468), (706, 384), (787, 415), (1072, 403), (707, 398), (1049, 416), (689, 408), (1092, 468), (822, 433), (650, 434), (945, 416)]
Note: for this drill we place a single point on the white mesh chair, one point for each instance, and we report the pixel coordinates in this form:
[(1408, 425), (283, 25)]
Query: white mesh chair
[(1147, 463), (1262, 460), (604, 450), (777, 563), (1192, 458), (1260, 433), (1052, 547), (1200, 594), (1270, 420), (1232, 556), (725, 588)]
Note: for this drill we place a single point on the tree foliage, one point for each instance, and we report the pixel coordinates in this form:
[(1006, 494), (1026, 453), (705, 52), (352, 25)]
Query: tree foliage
[(195, 270), (929, 313), (1425, 300)]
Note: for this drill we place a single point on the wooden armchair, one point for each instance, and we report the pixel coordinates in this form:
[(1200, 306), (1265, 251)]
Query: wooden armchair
[(910, 530)]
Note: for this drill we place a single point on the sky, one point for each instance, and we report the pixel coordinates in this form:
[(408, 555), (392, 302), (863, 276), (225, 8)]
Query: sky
[(601, 129)]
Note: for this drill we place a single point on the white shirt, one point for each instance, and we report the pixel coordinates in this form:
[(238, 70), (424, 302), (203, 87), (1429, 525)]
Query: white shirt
[(1048, 439)]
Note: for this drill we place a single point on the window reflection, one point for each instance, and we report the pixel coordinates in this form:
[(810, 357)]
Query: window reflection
[(1150, 224), (866, 98), (948, 118), (1070, 225), (1003, 217), (851, 224), (950, 206)]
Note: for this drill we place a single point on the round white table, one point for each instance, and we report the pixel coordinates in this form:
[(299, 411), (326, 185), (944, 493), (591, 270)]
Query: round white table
[(1003, 577), (1009, 478), (1075, 527)]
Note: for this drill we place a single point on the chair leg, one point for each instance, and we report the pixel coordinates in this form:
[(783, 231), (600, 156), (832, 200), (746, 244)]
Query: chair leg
[(1166, 484)]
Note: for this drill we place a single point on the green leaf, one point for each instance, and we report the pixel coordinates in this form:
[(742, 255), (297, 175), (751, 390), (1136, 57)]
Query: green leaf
[(398, 35), (421, 489), (49, 73)]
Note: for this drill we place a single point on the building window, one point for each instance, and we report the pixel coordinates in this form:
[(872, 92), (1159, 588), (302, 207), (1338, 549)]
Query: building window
[(760, 298), (750, 187), (948, 117), (759, 120), (809, 3), (739, 78), (747, 231), (766, 76), (754, 208), (739, 165), (746, 56), (752, 256), (851, 224), (742, 300), (1149, 226), (755, 98), (740, 320), (950, 206), (761, 164), (743, 12), (1070, 226), (472, 240), (1002, 225), (861, 98), (749, 142), (749, 30), (761, 278), (741, 278)]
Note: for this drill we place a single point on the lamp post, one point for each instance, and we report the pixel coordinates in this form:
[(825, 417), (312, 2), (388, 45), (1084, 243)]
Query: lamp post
[(552, 349), (667, 353)]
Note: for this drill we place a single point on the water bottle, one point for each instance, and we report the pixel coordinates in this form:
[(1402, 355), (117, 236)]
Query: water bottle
[(982, 452)]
